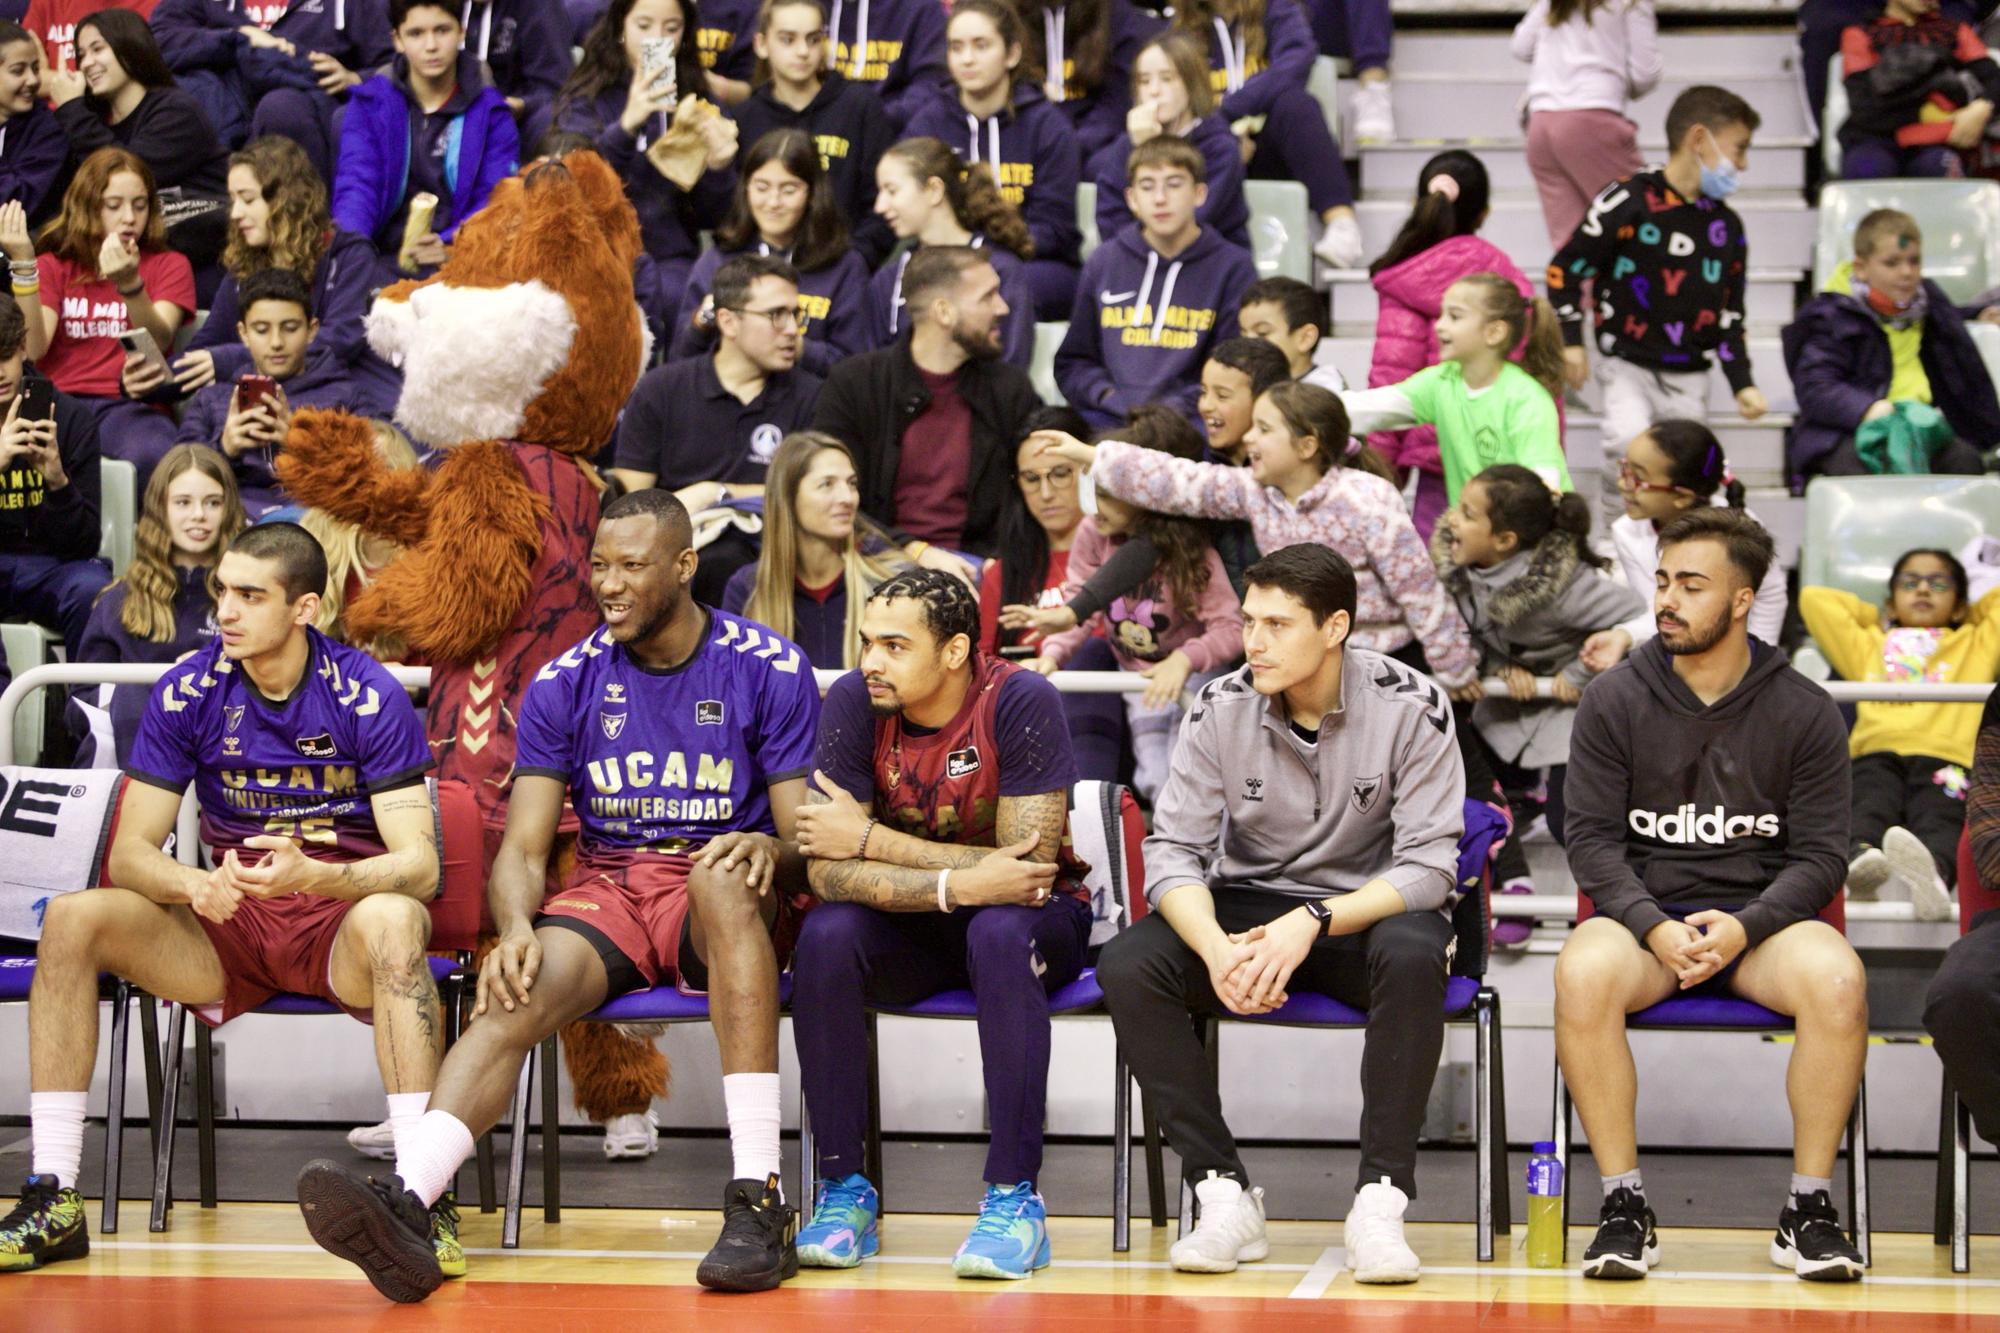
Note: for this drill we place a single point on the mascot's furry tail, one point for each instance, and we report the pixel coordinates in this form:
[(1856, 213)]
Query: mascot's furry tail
[(613, 1073)]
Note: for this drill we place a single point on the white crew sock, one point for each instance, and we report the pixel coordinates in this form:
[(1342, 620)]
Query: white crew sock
[(56, 1125), (751, 1101), (405, 1109), (429, 1153)]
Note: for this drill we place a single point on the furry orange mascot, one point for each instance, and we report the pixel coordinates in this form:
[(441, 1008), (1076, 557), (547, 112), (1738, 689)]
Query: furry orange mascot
[(517, 356)]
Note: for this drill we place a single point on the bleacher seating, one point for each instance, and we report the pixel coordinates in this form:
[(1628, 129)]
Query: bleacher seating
[(1960, 221), (1857, 526)]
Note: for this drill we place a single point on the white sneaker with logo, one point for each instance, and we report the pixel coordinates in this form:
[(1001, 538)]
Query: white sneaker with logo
[(1229, 1229), (1373, 1234), (377, 1141), (1374, 113), (630, 1137)]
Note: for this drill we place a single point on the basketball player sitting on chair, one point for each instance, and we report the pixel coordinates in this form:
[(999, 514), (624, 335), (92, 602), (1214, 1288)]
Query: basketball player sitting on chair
[(682, 737), (308, 762)]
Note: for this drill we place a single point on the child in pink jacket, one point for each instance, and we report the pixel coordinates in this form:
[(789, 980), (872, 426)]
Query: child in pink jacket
[(1437, 246)]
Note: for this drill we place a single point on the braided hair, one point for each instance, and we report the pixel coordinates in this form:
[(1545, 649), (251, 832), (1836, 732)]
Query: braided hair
[(950, 608)]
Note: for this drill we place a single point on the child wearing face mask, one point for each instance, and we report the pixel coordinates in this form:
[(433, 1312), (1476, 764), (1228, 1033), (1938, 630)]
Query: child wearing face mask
[(1880, 334), (1180, 625), (1911, 760), (1667, 260), (1516, 559), (1307, 480)]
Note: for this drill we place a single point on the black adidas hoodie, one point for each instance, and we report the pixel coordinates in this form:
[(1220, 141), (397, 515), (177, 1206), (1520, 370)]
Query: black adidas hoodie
[(1741, 805)]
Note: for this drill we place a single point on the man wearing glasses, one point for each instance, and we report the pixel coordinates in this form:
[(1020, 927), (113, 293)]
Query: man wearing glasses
[(933, 418), (705, 427)]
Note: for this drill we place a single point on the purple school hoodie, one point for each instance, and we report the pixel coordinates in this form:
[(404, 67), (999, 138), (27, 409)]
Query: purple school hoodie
[(832, 302), (895, 47), (1032, 149), (1222, 164), (1143, 324)]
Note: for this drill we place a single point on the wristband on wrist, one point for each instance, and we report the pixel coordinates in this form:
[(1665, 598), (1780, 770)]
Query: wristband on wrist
[(866, 829), (27, 289), (944, 897), (137, 289)]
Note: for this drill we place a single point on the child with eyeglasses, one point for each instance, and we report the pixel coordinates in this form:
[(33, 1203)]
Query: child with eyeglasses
[(1911, 760)]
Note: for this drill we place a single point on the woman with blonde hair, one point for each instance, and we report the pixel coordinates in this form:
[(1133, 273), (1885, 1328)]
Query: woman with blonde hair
[(162, 608), (814, 574), (354, 557)]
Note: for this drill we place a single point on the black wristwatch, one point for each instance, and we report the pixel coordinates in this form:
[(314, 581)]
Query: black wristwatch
[(1321, 913)]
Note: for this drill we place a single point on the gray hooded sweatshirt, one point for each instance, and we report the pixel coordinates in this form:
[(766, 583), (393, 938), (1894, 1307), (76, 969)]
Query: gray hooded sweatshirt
[(1250, 805)]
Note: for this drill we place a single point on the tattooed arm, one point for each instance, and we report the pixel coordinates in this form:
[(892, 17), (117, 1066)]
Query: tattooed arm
[(409, 867), (901, 875)]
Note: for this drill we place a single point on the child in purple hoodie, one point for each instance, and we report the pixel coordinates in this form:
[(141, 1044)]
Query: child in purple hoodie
[(996, 114), (1171, 95), (895, 47), (1180, 627), (1155, 298), (1085, 50)]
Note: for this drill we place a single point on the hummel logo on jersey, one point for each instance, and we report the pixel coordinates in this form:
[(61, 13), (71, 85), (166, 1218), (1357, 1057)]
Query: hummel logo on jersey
[(614, 693), (708, 713), (316, 747), (1365, 792), (961, 762), (1713, 827), (613, 723), (1253, 789)]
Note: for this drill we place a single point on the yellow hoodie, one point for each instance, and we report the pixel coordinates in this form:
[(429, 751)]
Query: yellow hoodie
[(1850, 632)]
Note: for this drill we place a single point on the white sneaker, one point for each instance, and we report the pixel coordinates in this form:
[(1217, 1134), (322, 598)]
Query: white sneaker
[(1229, 1229), (1376, 1250), (377, 1141), (1866, 874), (1374, 113), (1910, 861), (1340, 244), (630, 1137)]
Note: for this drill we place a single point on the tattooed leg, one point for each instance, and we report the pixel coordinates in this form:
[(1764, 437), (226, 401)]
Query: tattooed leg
[(379, 964)]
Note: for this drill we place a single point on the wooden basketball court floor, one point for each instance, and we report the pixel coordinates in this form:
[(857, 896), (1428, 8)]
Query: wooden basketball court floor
[(252, 1266)]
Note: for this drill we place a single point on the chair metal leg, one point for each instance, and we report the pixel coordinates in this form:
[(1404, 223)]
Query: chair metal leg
[(487, 1190), (808, 1156), (1482, 1123), (1503, 1174), (1121, 1155), (1941, 1197), (871, 1155), (1559, 1132), (114, 1119), (551, 1133), (163, 1155), (204, 1111), (1961, 1185), (517, 1156), (1857, 1173), (1156, 1164), (149, 1032)]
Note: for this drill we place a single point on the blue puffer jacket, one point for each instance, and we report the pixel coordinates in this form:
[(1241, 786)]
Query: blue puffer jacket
[(374, 172), (1839, 360)]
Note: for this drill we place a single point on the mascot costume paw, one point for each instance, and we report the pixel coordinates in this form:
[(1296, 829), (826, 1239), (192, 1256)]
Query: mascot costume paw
[(517, 356)]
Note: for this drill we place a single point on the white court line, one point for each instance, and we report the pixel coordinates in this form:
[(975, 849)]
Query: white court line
[(1310, 1271), (1320, 1276)]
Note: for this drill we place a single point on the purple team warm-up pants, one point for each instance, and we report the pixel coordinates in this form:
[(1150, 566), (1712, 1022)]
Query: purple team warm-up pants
[(851, 958)]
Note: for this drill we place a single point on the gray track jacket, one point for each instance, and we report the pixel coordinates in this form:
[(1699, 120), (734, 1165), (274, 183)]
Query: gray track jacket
[(1247, 804)]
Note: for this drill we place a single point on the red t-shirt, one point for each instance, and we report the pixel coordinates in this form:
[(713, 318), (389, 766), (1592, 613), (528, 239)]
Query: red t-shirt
[(1051, 595), (86, 357), (54, 21), (936, 464)]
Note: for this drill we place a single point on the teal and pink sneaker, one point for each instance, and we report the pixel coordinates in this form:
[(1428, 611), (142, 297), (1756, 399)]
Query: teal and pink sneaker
[(845, 1226), (1011, 1237)]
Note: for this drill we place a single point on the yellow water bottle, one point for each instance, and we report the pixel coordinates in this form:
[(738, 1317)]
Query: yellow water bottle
[(1545, 1204)]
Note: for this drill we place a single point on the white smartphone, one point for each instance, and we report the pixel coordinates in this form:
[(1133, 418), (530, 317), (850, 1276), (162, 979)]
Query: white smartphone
[(141, 342), (656, 58)]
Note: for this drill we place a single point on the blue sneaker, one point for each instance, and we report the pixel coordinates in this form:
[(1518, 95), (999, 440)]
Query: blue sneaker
[(845, 1225), (1011, 1237)]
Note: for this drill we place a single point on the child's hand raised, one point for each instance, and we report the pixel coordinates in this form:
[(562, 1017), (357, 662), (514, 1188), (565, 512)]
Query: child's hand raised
[(1063, 445), (1044, 620)]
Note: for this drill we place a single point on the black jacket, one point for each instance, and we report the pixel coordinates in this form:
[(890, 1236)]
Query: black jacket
[(66, 523), (1838, 357), (1677, 807), (168, 130), (869, 400)]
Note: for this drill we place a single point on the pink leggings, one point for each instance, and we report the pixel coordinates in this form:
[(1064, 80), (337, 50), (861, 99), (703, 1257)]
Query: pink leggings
[(1573, 155)]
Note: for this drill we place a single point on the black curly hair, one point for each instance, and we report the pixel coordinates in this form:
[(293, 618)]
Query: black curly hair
[(950, 608)]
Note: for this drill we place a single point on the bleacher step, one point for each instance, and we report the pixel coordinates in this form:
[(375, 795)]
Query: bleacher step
[(1720, 52), (1769, 297), (1444, 105), (1391, 170)]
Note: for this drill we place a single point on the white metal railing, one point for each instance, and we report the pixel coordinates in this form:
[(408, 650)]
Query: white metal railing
[(1547, 907)]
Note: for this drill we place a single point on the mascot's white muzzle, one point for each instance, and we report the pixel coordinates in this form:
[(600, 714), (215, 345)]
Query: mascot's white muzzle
[(473, 358)]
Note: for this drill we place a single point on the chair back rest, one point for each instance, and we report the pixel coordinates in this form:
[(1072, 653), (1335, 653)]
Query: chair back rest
[(1960, 221), (1974, 895), (1834, 913), (1280, 229), (1857, 526), (1049, 335), (1086, 218), (460, 904), (1486, 828), (1107, 831), (1832, 117), (118, 504)]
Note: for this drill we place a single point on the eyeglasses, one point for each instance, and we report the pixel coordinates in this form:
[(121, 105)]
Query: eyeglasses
[(1926, 583), (1629, 476), (1059, 476), (782, 317)]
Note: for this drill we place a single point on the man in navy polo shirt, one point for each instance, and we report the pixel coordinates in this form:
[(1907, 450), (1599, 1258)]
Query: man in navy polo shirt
[(705, 427)]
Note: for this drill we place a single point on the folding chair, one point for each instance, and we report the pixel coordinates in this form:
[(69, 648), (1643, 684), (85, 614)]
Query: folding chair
[(455, 913), (1467, 999), (1702, 1013), (1953, 1222)]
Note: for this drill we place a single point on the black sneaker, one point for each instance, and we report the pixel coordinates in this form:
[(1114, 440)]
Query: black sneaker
[(756, 1250), (1626, 1245), (46, 1227), (1811, 1243), (381, 1228)]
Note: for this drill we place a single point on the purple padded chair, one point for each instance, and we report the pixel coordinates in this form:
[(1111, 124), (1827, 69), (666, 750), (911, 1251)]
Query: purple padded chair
[(1467, 998), (1727, 1013)]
